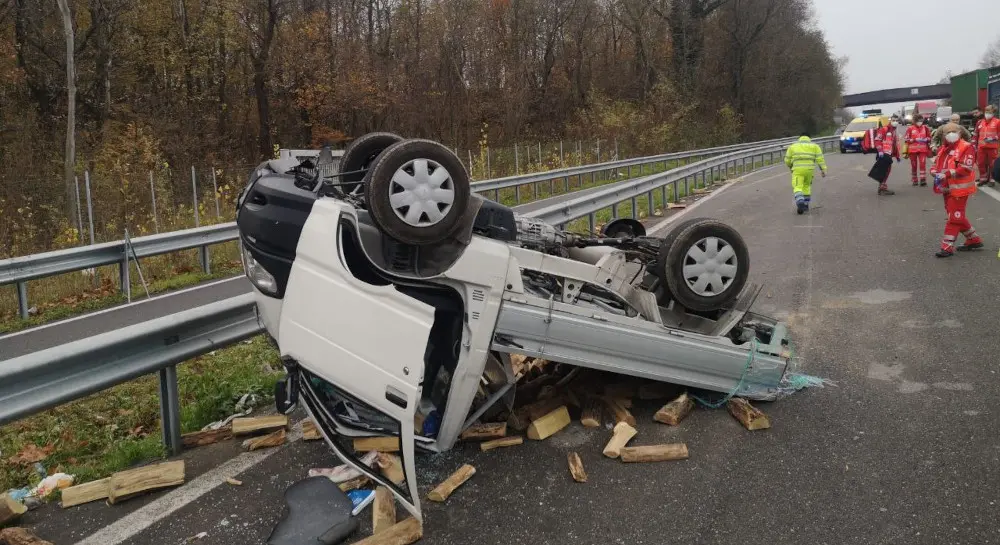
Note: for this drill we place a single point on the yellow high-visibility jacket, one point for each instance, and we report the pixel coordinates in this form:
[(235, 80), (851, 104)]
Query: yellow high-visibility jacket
[(804, 155)]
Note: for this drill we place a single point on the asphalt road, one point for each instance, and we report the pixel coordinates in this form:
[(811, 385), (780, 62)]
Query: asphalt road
[(903, 449)]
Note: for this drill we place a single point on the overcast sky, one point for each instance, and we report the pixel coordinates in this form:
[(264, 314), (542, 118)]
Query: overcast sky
[(875, 35)]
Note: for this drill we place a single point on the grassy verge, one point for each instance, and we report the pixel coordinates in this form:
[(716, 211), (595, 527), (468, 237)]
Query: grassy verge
[(98, 435)]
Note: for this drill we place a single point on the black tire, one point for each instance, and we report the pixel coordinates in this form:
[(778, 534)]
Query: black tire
[(623, 228), (664, 295), (380, 187), (700, 234), (361, 154)]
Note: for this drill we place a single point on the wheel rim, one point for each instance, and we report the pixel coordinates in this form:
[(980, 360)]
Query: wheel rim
[(421, 193), (710, 266)]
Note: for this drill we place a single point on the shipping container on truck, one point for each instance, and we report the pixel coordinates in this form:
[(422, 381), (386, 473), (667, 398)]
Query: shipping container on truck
[(968, 90), (993, 87), (927, 109)]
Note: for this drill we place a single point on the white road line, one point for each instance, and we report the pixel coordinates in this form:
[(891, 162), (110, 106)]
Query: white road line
[(141, 519), (126, 305), (991, 192)]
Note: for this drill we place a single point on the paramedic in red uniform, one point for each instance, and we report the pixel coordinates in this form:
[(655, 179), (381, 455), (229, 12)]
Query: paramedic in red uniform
[(887, 146), (955, 177), (987, 143), (918, 141)]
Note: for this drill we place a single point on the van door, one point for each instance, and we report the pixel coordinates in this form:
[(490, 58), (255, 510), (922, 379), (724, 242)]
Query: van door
[(360, 348)]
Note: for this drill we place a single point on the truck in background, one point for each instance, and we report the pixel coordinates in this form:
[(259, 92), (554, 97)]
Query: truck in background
[(969, 90)]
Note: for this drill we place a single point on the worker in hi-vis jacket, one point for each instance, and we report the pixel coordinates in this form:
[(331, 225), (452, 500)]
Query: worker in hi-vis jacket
[(802, 158)]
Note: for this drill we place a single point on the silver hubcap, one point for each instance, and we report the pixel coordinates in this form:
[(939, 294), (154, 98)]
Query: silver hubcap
[(710, 266), (421, 193)]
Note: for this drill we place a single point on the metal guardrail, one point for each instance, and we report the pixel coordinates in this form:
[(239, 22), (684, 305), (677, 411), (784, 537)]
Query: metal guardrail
[(47, 378), (20, 270), (588, 205), (44, 379)]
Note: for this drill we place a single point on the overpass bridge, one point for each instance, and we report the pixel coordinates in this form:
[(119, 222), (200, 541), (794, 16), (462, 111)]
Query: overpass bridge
[(900, 94)]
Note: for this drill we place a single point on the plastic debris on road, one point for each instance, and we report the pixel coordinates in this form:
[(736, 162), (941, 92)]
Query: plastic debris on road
[(244, 407), (50, 484), (360, 499)]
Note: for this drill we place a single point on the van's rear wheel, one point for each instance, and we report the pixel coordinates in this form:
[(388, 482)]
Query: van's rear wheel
[(360, 155), (417, 192), (707, 265)]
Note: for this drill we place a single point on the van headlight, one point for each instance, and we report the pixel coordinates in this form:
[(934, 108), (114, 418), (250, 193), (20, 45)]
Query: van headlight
[(257, 274)]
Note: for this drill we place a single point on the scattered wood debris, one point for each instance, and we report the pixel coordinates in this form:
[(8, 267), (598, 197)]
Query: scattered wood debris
[(618, 409), (380, 444), (354, 483), (576, 468), (392, 467), (672, 413), (590, 416), (449, 485), (485, 431), (234, 482), (246, 426), (655, 453), (309, 431), (503, 442), (86, 492), (384, 511), (10, 509), (748, 415), (20, 536), (675, 205), (206, 437), (549, 424), (401, 533), (273, 439), (125, 484), (623, 433)]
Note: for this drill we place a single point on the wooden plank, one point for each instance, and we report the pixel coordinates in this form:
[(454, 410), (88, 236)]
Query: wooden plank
[(656, 390), (449, 485), (672, 413), (10, 509), (503, 442), (244, 426), (21, 536), (310, 432), (655, 453), (402, 533), (392, 467), (206, 437), (576, 468), (522, 417), (549, 424), (273, 439), (380, 444), (623, 433), (384, 510), (619, 411), (86, 492), (142, 479), (485, 431), (748, 415), (354, 483), (590, 414)]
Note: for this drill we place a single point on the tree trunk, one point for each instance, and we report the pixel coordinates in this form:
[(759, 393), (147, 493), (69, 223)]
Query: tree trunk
[(70, 153)]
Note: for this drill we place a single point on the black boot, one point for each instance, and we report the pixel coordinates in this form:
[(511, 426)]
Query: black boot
[(923, 183), (943, 253), (800, 207), (969, 247)]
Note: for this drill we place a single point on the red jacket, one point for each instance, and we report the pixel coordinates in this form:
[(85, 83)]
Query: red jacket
[(885, 141), (988, 130), (956, 162), (918, 139)]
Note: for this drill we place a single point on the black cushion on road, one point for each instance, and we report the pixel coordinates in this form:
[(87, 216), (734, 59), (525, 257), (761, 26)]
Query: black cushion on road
[(317, 512)]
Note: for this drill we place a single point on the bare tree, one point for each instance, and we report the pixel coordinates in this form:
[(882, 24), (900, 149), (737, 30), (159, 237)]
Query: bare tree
[(991, 57), (69, 161)]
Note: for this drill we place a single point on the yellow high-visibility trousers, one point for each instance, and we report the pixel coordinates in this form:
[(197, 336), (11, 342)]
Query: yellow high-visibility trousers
[(802, 181)]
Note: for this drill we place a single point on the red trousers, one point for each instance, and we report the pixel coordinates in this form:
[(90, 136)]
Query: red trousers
[(957, 223), (918, 166), (985, 158)]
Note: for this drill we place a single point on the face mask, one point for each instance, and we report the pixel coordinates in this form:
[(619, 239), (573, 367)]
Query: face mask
[(989, 116), (951, 137), (919, 123), (895, 123)]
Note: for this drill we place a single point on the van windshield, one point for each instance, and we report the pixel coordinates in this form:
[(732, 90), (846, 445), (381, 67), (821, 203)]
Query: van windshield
[(856, 126)]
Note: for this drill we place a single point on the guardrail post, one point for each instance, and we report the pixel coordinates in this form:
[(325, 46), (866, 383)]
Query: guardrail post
[(635, 208), (206, 264), (651, 204), (170, 411), (123, 275), (517, 194), (22, 300)]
